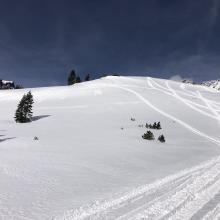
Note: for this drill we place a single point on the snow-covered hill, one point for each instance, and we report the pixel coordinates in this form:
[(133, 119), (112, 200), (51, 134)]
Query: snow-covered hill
[(85, 166), (213, 84)]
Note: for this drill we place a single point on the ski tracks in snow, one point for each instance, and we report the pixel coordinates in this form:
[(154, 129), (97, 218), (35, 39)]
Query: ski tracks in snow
[(178, 196)]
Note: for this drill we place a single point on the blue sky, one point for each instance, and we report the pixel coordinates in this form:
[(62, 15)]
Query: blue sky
[(41, 41)]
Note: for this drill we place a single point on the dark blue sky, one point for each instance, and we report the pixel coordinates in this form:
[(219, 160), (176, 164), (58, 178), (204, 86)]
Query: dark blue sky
[(41, 41)]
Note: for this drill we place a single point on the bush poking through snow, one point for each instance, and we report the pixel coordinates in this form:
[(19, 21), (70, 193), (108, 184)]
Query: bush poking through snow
[(36, 138), (24, 112), (161, 138), (148, 135), (132, 119)]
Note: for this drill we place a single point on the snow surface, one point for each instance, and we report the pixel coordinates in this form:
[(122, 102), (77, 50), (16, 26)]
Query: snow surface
[(85, 166), (213, 84)]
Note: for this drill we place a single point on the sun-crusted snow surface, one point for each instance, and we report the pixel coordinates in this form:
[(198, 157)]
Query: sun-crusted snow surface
[(84, 166)]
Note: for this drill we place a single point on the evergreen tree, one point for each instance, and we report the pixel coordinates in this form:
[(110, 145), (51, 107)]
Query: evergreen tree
[(29, 103), (72, 78), (87, 78), (148, 136), (161, 138), (147, 125), (158, 125), (24, 112), (78, 80), (155, 125)]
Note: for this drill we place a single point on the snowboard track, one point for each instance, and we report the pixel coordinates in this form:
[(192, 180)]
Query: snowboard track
[(177, 196)]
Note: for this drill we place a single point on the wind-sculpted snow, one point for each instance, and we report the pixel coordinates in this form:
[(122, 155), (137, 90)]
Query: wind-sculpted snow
[(90, 161)]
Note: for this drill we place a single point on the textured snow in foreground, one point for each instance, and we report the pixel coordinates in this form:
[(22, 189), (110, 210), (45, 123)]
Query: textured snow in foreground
[(84, 166)]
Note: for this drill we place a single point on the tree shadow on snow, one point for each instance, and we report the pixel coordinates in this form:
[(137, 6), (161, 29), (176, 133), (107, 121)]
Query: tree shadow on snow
[(6, 139), (36, 118)]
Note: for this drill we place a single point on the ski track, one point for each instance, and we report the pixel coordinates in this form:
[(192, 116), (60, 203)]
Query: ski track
[(177, 196), (99, 207), (187, 102), (209, 106), (214, 214)]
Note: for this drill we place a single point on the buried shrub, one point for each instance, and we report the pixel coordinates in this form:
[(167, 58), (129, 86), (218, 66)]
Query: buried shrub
[(148, 135)]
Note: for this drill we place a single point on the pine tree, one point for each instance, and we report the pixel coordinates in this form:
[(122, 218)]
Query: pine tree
[(155, 125), (78, 80), (30, 102), (19, 114), (87, 78), (148, 136), (72, 78), (161, 138), (158, 125), (24, 112)]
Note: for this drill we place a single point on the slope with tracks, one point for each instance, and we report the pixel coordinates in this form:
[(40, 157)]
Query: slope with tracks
[(66, 171), (178, 196)]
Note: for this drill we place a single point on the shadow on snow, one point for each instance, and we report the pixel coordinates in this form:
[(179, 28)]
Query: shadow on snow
[(36, 118)]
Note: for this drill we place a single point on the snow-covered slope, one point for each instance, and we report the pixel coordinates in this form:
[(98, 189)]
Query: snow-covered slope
[(213, 84), (85, 166)]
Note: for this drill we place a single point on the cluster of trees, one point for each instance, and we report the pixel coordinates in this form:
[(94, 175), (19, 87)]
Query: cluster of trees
[(150, 136), (24, 112), (156, 125), (74, 78)]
